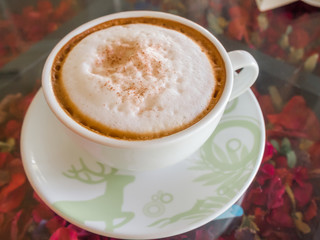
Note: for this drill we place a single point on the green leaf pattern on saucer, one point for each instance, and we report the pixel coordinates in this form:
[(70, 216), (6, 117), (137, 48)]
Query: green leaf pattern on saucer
[(225, 162)]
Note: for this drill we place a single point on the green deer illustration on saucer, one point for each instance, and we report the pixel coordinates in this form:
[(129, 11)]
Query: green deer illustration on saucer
[(112, 199)]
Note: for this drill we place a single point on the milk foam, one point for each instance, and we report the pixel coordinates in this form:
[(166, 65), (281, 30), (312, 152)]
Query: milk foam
[(139, 78)]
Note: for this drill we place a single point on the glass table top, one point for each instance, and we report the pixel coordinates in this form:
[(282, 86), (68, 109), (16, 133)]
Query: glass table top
[(283, 199)]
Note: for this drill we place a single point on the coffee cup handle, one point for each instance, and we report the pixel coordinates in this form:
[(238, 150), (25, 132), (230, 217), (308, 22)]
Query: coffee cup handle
[(243, 80)]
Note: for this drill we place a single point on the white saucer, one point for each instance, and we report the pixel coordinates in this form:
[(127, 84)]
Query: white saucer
[(147, 205)]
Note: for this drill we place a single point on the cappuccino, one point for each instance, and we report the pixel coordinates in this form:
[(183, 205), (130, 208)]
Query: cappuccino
[(138, 78)]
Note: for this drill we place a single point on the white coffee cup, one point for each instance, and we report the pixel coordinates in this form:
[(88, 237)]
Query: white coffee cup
[(140, 155)]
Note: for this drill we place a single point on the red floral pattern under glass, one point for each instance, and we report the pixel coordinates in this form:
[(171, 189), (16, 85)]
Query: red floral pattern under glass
[(19, 30), (283, 200)]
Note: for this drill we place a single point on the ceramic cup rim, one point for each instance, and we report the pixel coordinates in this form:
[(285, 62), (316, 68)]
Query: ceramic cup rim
[(122, 143)]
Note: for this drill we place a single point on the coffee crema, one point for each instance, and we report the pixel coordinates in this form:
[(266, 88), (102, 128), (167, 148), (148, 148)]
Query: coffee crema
[(138, 78)]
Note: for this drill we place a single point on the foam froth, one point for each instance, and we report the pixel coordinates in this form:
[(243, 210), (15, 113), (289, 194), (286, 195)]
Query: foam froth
[(139, 78)]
